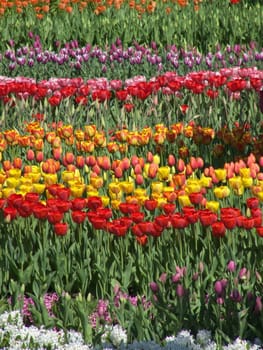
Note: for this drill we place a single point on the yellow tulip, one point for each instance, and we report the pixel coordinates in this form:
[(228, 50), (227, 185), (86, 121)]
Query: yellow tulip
[(193, 186), (105, 200), (212, 205), (67, 175), (34, 177), (235, 182), (92, 193), (156, 159), (127, 186), (77, 190), (138, 192), (247, 182), (14, 173), (25, 188), (221, 192), (244, 172), (38, 188), (260, 195), (115, 195), (50, 179), (220, 174), (157, 187), (12, 182), (205, 181), (96, 182), (161, 201), (184, 200), (239, 191), (25, 180), (163, 173), (7, 191), (115, 187), (115, 204)]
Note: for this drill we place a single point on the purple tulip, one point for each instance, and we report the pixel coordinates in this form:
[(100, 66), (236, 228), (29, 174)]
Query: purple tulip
[(231, 266), (180, 291), (154, 287)]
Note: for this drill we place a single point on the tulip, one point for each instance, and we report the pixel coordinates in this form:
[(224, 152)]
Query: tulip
[(78, 216), (218, 229), (180, 291), (231, 266), (55, 216), (154, 287), (61, 228), (184, 200)]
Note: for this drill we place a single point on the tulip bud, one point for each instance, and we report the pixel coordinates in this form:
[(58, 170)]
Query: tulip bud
[(154, 287), (231, 266)]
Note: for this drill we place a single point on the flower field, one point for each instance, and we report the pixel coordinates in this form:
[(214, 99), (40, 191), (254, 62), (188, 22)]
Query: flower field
[(131, 174)]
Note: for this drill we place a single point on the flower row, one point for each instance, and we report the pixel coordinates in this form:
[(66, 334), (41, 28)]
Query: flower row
[(70, 56), (234, 80)]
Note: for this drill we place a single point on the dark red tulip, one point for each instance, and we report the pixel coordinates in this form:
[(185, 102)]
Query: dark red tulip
[(252, 203), (32, 197), (40, 211), (78, 216), (93, 203), (54, 216)]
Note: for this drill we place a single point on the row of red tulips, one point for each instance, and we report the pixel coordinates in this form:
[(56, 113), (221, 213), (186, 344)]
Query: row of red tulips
[(234, 80), (133, 216)]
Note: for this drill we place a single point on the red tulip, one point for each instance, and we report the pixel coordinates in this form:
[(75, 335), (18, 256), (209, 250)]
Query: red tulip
[(15, 200), (10, 213), (40, 211), (260, 231), (78, 216), (169, 208), (196, 198), (128, 208), (78, 203), (61, 228), (54, 216), (218, 229), (25, 210), (142, 240), (229, 221), (94, 202), (248, 223), (207, 218), (162, 220), (54, 100), (32, 197), (252, 202), (179, 221), (137, 217), (150, 204)]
